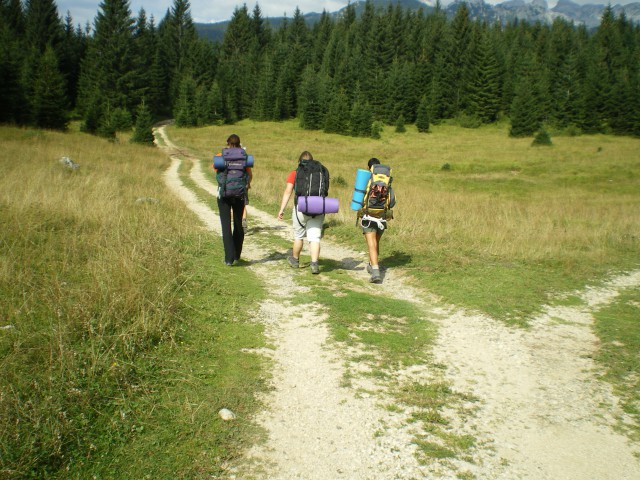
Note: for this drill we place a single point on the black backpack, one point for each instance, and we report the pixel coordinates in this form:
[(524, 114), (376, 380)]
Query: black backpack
[(312, 180), (232, 179)]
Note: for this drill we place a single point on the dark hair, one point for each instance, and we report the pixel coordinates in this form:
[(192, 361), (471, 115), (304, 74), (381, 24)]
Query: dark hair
[(373, 161), (305, 156), (233, 140)]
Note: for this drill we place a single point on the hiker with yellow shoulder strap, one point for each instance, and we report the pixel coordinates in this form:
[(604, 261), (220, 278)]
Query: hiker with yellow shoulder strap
[(374, 211)]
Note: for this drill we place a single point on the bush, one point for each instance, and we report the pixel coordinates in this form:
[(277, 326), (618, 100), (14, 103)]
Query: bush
[(469, 121), (541, 139)]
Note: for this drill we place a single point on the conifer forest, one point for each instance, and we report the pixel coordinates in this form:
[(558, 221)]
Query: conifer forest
[(343, 74)]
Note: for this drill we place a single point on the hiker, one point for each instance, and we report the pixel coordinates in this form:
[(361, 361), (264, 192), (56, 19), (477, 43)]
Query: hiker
[(375, 213), (234, 180), (305, 226)]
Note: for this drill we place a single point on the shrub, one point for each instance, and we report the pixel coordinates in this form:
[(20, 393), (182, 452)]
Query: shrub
[(541, 139)]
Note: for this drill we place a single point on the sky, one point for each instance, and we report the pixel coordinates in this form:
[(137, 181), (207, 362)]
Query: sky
[(210, 11)]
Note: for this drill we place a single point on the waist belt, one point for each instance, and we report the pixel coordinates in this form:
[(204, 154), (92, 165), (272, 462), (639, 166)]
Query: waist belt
[(368, 218)]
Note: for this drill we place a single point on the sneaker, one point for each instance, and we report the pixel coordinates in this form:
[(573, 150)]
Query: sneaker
[(369, 268), (375, 276), (315, 268), (229, 264), (293, 261)]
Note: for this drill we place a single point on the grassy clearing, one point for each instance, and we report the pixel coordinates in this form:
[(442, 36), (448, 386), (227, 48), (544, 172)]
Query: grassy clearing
[(115, 337), (483, 220), (618, 327)]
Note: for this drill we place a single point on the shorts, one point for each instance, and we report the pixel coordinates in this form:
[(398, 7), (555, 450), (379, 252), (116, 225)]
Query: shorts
[(372, 227), (306, 226)]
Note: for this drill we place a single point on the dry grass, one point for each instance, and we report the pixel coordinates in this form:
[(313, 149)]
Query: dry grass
[(575, 201), (89, 274)]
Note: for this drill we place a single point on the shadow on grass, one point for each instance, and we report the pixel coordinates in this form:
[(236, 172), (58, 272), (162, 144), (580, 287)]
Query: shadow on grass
[(396, 259)]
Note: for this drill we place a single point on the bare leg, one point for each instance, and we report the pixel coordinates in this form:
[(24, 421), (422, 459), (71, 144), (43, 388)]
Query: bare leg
[(297, 248), (314, 249), (372, 239)]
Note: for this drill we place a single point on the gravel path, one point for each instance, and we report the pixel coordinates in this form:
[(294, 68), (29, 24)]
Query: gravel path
[(541, 414)]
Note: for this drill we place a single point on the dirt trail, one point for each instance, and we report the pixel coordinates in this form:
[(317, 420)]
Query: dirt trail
[(541, 414)]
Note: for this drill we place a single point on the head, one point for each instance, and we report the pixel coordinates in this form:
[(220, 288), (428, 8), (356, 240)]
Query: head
[(305, 156), (233, 140), (373, 161)]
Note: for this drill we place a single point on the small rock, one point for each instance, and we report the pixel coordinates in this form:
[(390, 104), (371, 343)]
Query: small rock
[(226, 414), (67, 162), (147, 200)]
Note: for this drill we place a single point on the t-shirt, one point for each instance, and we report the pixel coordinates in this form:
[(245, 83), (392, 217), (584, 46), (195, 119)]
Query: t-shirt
[(292, 178)]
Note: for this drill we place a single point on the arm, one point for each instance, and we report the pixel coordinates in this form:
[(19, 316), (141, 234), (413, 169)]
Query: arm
[(285, 199)]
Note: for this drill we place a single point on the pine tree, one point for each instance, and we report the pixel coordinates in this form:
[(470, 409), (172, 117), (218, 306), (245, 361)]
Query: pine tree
[(185, 111), (524, 112), (484, 88), (43, 26), (400, 127), (12, 97), (178, 39), (337, 118), (49, 104), (455, 70), (422, 119), (143, 132), (361, 119), (216, 104), (309, 100), (237, 70), (107, 73)]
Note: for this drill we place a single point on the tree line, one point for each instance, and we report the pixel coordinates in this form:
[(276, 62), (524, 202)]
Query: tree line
[(349, 74)]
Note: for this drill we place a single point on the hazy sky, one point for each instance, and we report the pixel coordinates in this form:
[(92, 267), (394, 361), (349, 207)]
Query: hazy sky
[(206, 11)]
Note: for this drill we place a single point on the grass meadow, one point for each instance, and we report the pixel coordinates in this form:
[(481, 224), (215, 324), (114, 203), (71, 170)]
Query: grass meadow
[(114, 339), (483, 220), (117, 336)]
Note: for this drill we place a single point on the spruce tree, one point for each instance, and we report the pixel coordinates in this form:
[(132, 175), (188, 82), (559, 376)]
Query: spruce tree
[(484, 88), (107, 71), (337, 118), (49, 103), (178, 39), (361, 119), (185, 111), (12, 97), (237, 70), (216, 104), (309, 100), (143, 132), (400, 127), (524, 112), (422, 119)]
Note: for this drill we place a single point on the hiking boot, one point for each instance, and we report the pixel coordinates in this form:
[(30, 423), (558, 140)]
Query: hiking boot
[(315, 268), (293, 261), (375, 276)]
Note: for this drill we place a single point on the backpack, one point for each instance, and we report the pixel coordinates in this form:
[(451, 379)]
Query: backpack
[(312, 180), (379, 197), (232, 179)]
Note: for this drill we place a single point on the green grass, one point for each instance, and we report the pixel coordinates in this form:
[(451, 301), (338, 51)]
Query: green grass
[(122, 340), (504, 229), (618, 328), (118, 334)]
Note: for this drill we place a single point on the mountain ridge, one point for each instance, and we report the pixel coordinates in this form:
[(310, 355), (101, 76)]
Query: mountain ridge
[(530, 11)]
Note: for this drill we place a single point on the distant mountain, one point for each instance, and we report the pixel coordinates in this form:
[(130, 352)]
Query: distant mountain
[(530, 11)]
